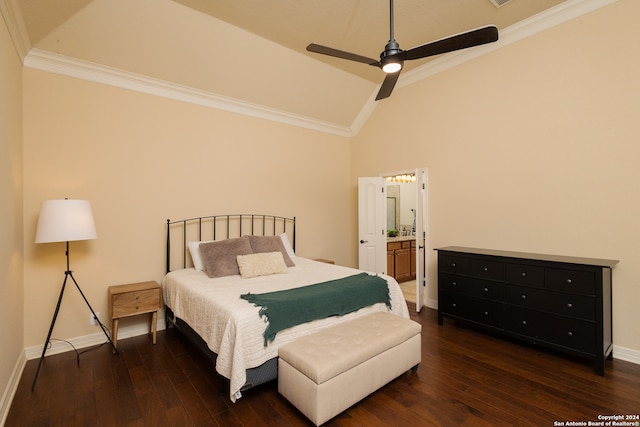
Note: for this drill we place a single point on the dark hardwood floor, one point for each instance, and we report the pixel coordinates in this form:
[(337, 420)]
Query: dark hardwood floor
[(466, 377)]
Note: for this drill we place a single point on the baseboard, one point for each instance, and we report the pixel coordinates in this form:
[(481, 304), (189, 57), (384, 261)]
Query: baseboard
[(57, 347), (626, 354), (621, 353), (12, 386)]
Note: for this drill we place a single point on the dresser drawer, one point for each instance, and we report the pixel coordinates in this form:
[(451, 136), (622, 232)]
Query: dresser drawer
[(523, 274), (132, 303), (486, 269), (579, 306), (570, 333), (574, 334), (473, 309), (471, 286), (453, 264), (572, 281)]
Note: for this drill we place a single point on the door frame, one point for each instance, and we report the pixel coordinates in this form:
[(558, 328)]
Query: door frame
[(422, 242)]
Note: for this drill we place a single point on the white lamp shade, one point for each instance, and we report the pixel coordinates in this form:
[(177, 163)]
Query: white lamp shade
[(65, 221)]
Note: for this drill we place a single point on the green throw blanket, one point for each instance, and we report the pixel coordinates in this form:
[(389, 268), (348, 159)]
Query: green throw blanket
[(284, 309)]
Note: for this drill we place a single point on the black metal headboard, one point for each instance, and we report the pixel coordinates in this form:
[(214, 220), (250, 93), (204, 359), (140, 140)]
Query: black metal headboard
[(221, 227)]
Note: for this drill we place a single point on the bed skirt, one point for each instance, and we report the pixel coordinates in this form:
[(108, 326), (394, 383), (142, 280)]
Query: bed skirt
[(266, 372)]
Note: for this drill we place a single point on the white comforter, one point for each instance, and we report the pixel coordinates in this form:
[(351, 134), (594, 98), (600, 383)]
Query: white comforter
[(231, 326)]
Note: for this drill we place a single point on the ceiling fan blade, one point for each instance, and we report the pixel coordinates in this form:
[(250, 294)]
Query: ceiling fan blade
[(387, 85), (472, 38), (316, 48)]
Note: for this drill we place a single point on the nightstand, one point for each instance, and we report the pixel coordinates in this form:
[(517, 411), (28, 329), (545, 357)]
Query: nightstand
[(133, 299)]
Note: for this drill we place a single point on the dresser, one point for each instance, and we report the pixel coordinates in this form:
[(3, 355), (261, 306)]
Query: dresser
[(559, 302)]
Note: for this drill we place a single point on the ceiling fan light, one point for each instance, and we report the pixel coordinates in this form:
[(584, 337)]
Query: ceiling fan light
[(392, 67)]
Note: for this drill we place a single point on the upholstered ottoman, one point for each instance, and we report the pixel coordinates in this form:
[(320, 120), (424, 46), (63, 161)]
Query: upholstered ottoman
[(324, 373)]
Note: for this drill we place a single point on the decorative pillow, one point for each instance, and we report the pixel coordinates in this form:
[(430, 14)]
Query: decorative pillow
[(261, 264), (196, 257), (220, 258), (260, 244), (287, 245)]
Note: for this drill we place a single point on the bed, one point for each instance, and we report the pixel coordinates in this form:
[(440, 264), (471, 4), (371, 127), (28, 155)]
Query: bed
[(210, 310)]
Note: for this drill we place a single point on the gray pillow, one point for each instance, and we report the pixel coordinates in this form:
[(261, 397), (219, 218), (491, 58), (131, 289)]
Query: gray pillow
[(260, 244), (220, 258)]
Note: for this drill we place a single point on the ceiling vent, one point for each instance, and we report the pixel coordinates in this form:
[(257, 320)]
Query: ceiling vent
[(498, 3)]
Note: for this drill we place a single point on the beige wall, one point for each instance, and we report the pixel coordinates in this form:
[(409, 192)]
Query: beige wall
[(141, 159), (533, 148), (11, 259)]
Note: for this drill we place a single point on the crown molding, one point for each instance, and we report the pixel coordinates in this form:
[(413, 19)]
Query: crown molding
[(565, 11), (64, 65), (16, 27), (60, 64)]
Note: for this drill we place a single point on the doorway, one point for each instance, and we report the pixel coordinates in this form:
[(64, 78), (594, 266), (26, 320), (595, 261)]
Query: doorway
[(392, 227)]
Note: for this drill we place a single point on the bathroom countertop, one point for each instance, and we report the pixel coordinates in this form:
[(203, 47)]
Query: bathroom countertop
[(400, 238)]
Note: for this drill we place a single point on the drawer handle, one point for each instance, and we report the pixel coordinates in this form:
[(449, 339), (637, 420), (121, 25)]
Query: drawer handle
[(570, 333), (486, 289), (454, 305), (524, 274), (453, 264), (524, 323), (486, 313), (569, 281), (569, 305), (485, 269), (454, 284), (524, 296)]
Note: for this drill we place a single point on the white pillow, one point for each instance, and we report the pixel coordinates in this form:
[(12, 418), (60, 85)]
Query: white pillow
[(196, 257), (287, 245), (261, 264)]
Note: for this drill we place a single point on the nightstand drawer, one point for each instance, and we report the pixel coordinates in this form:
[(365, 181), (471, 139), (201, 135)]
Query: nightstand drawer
[(133, 299), (132, 303)]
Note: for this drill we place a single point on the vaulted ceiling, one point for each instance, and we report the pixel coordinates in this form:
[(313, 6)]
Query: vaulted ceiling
[(251, 53)]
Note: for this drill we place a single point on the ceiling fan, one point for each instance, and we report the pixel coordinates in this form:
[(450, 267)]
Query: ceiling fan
[(392, 58)]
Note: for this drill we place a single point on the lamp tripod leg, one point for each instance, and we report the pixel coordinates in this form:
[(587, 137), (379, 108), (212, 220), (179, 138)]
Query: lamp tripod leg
[(53, 322), (115, 350), (67, 274)]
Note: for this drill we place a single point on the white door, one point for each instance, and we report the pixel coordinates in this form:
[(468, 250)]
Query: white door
[(372, 220), (421, 237)]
